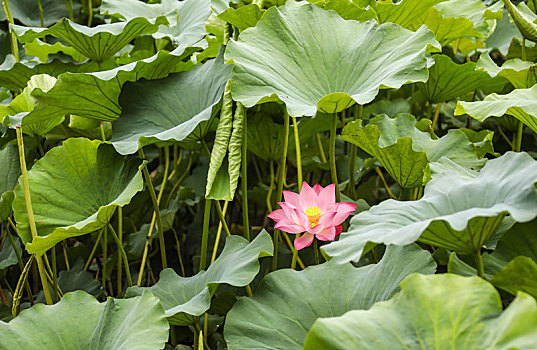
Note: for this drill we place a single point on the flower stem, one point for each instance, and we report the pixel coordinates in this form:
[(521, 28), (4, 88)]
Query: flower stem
[(156, 202), (29, 209), (244, 174), (123, 254), (281, 180), (333, 171), (316, 251), (205, 234), (352, 161), (479, 263), (298, 156)]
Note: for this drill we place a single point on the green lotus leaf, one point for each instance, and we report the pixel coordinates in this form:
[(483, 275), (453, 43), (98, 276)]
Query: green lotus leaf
[(130, 9), (79, 321), (311, 69), (15, 75), (446, 29), (98, 43), (27, 11), (520, 103), (186, 298), (481, 15), (449, 80), (519, 73), (9, 174), (288, 302), (75, 190), (347, 9), (244, 17), (405, 13), (95, 95), (457, 212), (8, 256), (42, 50), (169, 109), (520, 274), (524, 23), (404, 150), (504, 33), (439, 311)]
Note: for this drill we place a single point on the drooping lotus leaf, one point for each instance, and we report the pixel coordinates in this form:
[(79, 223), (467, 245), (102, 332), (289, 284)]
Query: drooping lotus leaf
[(244, 17), (433, 312), (79, 321), (449, 80), (186, 298), (42, 50), (27, 11), (21, 105), (9, 173), (98, 43), (169, 109), (75, 190), (456, 212), (292, 56), (186, 18), (524, 23), (520, 274), (446, 29), (481, 15), (404, 150), (95, 95), (519, 73), (520, 103), (288, 302), (15, 75)]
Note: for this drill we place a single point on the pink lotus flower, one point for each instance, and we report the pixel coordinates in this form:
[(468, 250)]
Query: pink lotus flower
[(313, 211)]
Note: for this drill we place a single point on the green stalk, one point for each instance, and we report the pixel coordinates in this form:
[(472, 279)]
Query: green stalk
[(93, 250), (155, 207), (90, 12), (281, 180), (104, 243), (523, 48), (436, 115), (69, 4), (479, 263), (205, 234), (123, 254), (41, 16), (298, 156), (332, 155), (19, 258), (218, 235), (14, 41), (120, 256), (354, 150), (55, 274), (31, 220), (316, 250), (23, 280), (518, 139), (271, 187), (244, 180), (321, 150)]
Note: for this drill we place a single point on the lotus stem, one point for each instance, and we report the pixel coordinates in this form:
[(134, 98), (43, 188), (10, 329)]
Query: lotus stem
[(281, 180), (29, 209), (218, 235), (104, 243), (123, 254), (390, 193), (436, 115), (41, 16), (23, 281), (69, 4), (55, 274), (332, 155), (359, 109), (271, 187), (298, 156), (19, 257), (205, 234), (120, 256), (479, 264), (14, 41), (316, 251), (518, 139), (90, 12), (93, 250), (244, 173)]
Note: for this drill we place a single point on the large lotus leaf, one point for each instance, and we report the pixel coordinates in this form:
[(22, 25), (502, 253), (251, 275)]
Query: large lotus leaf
[(347, 9), (481, 15), (404, 151), (405, 13), (244, 17), (288, 302), (519, 73), (27, 11), (446, 29), (186, 298), (449, 80), (520, 274), (520, 103), (15, 75), (42, 50), (9, 173), (79, 321), (95, 95), (98, 43), (457, 212), (434, 312), (75, 190), (187, 18), (504, 33), (292, 56), (169, 108)]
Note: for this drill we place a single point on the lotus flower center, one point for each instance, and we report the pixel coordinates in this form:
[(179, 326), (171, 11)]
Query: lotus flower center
[(313, 214), (312, 211)]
